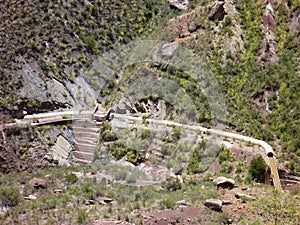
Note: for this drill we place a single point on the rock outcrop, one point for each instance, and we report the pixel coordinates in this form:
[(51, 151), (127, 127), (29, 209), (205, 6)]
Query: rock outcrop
[(38, 183), (179, 4), (223, 182), (61, 151), (268, 53), (217, 12)]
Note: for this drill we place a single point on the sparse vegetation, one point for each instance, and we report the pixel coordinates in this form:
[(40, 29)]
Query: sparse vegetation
[(47, 40)]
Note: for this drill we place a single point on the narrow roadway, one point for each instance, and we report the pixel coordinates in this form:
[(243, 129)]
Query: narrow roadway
[(268, 149), (61, 116)]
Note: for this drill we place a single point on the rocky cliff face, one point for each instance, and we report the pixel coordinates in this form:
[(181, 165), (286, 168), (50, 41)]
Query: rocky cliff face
[(269, 45)]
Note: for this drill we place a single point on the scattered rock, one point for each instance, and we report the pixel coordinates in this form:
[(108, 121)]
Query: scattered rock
[(30, 197), (223, 182), (168, 49), (103, 200), (217, 12), (90, 202), (226, 202), (214, 204), (192, 26), (183, 203), (179, 4), (57, 191), (38, 183), (244, 197)]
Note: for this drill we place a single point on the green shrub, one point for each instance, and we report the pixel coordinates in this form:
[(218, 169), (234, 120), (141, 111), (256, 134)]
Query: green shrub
[(195, 165), (257, 169), (226, 167), (90, 42), (167, 203), (71, 178), (240, 167), (277, 208), (119, 149), (132, 155), (9, 196), (145, 134), (109, 136), (172, 185), (176, 133), (88, 189), (65, 117), (82, 216), (226, 155)]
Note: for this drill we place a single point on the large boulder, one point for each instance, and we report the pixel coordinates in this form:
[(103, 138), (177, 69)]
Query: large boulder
[(38, 183), (214, 204), (179, 4), (224, 183)]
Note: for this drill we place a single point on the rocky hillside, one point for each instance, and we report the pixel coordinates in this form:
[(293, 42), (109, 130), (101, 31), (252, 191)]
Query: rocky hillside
[(55, 55), (252, 48)]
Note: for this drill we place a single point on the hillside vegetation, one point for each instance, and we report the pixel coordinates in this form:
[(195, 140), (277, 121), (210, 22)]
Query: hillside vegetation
[(62, 37), (143, 174)]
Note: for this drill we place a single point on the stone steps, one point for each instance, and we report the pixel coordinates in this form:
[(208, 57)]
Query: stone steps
[(86, 129), (84, 155), (82, 161), (90, 141), (86, 147), (81, 135), (86, 133)]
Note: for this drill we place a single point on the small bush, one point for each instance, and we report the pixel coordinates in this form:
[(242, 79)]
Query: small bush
[(257, 169), (82, 216), (71, 178), (167, 203), (90, 42), (109, 136), (226, 155), (172, 185), (145, 134), (9, 196)]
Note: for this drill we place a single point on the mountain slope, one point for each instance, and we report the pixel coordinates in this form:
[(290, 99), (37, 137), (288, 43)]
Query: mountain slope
[(252, 48)]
